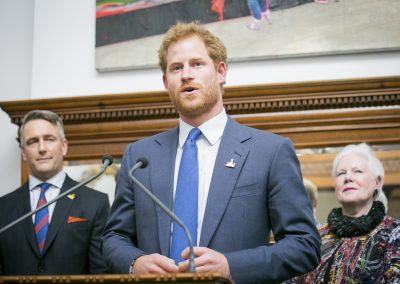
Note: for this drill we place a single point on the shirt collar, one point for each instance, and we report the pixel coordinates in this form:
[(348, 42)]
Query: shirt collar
[(212, 129), (56, 180)]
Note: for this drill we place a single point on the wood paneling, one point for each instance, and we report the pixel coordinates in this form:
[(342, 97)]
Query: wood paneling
[(312, 114)]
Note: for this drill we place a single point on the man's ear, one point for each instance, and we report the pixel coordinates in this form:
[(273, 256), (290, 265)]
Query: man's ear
[(23, 153), (165, 81), (221, 70), (64, 147)]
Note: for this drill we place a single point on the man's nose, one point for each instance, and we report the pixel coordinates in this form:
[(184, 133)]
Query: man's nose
[(187, 73), (42, 145)]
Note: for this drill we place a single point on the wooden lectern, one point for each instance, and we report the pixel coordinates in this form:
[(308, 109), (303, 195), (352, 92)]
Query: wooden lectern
[(180, 278)]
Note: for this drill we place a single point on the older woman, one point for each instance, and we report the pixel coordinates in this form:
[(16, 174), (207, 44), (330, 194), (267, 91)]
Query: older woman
[(360, 244)]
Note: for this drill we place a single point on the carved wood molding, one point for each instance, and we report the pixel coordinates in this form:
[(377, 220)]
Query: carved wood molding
[(312, 114), (306, 129), (254, 99), (181, 278)]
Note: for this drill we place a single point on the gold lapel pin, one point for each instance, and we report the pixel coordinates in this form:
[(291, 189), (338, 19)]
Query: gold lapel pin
[(230, 164), (71, 196)]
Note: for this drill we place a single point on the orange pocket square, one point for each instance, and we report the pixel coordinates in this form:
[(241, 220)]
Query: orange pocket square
[(72, 219)]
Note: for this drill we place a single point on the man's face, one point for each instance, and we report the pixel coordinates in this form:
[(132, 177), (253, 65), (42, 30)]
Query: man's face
[(43, 148), (192, 79)]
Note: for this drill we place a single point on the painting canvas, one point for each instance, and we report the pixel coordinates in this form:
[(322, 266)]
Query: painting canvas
[(129, 32)]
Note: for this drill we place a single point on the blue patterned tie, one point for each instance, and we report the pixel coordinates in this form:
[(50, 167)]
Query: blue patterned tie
[(42, 218), (186, 196)]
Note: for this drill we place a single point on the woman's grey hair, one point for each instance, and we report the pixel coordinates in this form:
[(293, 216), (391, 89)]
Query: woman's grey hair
[(374, 164), (47, 115), (382, 198)]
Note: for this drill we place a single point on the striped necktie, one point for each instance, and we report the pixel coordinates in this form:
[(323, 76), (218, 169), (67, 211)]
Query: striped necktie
[(42, 218), (186, 196)]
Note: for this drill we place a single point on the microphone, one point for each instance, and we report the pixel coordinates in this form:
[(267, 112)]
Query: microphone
[(107, 161), (142, 163)]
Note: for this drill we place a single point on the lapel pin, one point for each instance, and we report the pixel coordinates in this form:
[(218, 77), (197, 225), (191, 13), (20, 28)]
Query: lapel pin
[(71, 196), (230, 164)]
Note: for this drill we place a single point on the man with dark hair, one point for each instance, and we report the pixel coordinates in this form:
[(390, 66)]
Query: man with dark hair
[(63, 238)]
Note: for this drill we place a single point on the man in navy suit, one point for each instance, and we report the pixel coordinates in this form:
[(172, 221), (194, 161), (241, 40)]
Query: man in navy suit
[(249, 182), (74, 223)]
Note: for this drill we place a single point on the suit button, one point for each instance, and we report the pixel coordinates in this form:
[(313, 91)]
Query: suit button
[(40, 267)]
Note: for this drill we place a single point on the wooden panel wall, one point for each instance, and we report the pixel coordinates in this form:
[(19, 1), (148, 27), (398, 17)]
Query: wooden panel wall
[(312, 114)]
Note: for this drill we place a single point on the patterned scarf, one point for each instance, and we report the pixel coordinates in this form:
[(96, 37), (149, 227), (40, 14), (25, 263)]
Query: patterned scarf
[(345, 226)]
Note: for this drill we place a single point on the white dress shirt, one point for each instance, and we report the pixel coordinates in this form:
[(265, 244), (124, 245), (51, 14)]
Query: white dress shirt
[(52, 192), (207, 145)]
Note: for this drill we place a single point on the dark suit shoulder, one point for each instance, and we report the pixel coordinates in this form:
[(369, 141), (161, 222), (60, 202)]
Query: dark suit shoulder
[(85, 191), (94, 195), (9, 196), (14, 194)]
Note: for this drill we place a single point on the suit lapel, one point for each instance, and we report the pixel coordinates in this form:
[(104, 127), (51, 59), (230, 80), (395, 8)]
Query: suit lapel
[(59, 214), (23, 207), (163, 164), (224, 178)]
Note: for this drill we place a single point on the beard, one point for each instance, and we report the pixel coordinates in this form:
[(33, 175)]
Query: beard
[(193, 106)]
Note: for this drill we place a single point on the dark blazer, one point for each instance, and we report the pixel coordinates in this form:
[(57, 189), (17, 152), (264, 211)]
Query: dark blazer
[(263, 192), (70, 248)]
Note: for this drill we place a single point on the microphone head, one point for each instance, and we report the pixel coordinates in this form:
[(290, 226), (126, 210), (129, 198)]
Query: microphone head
[(144, 161), (107, 160)]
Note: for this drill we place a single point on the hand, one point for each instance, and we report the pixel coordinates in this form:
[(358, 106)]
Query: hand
[(154, 263), (206, 260)]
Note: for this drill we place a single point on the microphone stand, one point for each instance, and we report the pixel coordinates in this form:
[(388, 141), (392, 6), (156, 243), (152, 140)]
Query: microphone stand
[(142, 163), (107, 160)]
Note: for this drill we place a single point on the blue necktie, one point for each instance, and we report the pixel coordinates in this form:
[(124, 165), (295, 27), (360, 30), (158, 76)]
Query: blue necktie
[(186, 196), (42, 218)]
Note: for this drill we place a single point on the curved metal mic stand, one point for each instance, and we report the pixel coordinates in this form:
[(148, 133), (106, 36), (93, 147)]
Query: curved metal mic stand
[(142, 163)]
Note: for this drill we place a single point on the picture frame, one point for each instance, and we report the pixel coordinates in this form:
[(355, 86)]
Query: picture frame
[(128, 38)]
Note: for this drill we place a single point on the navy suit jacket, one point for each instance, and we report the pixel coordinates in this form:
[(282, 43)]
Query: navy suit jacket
[(70, 247), (263, 192)]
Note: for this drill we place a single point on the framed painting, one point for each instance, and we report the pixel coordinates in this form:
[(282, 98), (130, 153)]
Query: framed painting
[(129, 32)]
